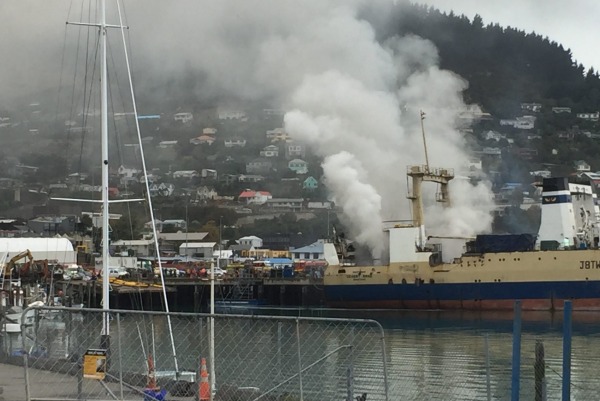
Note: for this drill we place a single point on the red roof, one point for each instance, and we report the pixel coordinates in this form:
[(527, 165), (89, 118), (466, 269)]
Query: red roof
[(251, 194)]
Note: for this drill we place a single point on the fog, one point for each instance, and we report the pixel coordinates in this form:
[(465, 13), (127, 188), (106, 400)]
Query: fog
[(356, 102)]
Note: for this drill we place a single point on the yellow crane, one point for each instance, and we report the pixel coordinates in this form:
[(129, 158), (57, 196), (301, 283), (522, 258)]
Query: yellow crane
[(11, 263)]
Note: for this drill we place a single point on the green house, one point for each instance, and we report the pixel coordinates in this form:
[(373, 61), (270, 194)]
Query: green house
[(310, 184)]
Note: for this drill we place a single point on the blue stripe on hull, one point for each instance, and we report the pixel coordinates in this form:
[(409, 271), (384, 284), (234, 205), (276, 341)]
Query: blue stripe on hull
[(463, 291)]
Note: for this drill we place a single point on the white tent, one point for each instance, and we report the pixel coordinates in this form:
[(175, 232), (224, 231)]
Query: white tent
[(60, 249)]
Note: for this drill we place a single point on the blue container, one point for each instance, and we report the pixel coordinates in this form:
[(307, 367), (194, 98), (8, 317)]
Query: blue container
[(155, 395)]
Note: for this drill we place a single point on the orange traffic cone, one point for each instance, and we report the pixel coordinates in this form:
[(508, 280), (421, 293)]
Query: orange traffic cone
[(204, 387), (151, 374)]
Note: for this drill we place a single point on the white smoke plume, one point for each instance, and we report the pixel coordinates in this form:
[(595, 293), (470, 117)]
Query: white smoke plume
[(354, 100), (345, 177), (469, 212), (378, 128)]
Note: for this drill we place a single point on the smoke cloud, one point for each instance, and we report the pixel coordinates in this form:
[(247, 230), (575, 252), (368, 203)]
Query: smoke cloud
[(353, 100)]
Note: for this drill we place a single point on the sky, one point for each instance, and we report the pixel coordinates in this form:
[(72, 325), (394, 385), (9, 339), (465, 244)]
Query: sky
[(354, 101), (572, 24)]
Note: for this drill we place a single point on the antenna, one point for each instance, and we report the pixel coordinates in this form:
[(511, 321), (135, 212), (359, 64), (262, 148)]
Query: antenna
[(424, 141)]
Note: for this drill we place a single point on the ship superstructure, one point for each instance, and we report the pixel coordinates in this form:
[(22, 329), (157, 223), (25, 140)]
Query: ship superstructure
[(491, 271)]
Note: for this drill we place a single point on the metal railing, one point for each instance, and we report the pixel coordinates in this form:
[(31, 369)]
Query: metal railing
[(255, 357)]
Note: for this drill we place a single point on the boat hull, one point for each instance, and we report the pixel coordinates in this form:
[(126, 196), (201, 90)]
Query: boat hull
[(584, 295)]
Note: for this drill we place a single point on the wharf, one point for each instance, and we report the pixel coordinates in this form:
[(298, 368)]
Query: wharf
[(49, 385), (12, 383), (186, 294)]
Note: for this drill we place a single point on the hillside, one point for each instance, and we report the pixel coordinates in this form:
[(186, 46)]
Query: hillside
[(511, 75)]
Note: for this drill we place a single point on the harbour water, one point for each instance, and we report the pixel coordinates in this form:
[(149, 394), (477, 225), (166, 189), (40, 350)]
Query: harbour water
[(446, 355), (431, 355)]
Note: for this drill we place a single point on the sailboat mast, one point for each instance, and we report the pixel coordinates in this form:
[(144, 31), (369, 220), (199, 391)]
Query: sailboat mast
[(104, 136)]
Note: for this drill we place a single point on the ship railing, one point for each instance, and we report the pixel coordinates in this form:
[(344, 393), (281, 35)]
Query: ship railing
[(428, 170)]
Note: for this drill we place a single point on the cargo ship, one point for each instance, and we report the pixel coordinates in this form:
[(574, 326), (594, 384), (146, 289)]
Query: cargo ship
[(488, 272)]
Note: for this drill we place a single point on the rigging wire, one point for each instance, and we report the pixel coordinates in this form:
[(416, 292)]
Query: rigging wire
[(60, 82), (145, 172), (87, 99), (118, 141), (76, 68)]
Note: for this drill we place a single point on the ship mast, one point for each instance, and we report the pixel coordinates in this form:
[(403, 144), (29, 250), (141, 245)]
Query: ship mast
[(419, 174), (103, 27), (104, 140)]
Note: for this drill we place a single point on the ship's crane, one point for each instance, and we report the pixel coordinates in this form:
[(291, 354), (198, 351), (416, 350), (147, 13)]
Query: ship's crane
[(419, 174)]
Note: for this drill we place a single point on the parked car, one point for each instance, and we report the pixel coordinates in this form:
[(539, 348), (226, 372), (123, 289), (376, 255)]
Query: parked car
[(74, 272), (118, 272), (219, 273)]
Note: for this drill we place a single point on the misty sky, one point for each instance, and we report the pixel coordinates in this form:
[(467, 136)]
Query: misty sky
[(32, 31), (573, 24), (354, 101)]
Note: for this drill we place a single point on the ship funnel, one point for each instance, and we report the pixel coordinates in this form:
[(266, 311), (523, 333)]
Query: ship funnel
[(557, 228)]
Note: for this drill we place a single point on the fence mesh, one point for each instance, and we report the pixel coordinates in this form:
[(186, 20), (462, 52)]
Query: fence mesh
[(427, 357), (255, 357)]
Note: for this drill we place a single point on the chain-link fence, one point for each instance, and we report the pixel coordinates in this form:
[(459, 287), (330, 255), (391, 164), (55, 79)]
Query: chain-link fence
[(443, 359), (426, 356), (68, 355)]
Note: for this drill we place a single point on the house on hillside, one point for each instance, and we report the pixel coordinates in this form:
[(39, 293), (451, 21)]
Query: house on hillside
[(174, 225), (294, 150), (209, 173), (310, 184), (312, 251), (251, 240), (235, 142), (249, 197), (200, 250), (535, 107), (319, 205), (558, 110), (589, 116), (259, 166), (250, 178), (51, 225), (228, 179), (523, 122), (205, 193), (496, 152), (581, 166), (286, 203), (203, 139), (183, 117), (270, 151), (278, 135), (298, 166), (10, 228), (225, 114), (167, 144), (138, 247), (128, 172), (162, 189), (151, 178), (186, 174), (541, 173), (493, 135)]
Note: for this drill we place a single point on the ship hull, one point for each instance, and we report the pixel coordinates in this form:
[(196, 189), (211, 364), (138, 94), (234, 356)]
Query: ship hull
[(584, 295)]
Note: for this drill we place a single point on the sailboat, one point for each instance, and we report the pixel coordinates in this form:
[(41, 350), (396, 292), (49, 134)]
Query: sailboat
[(105, 338)]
